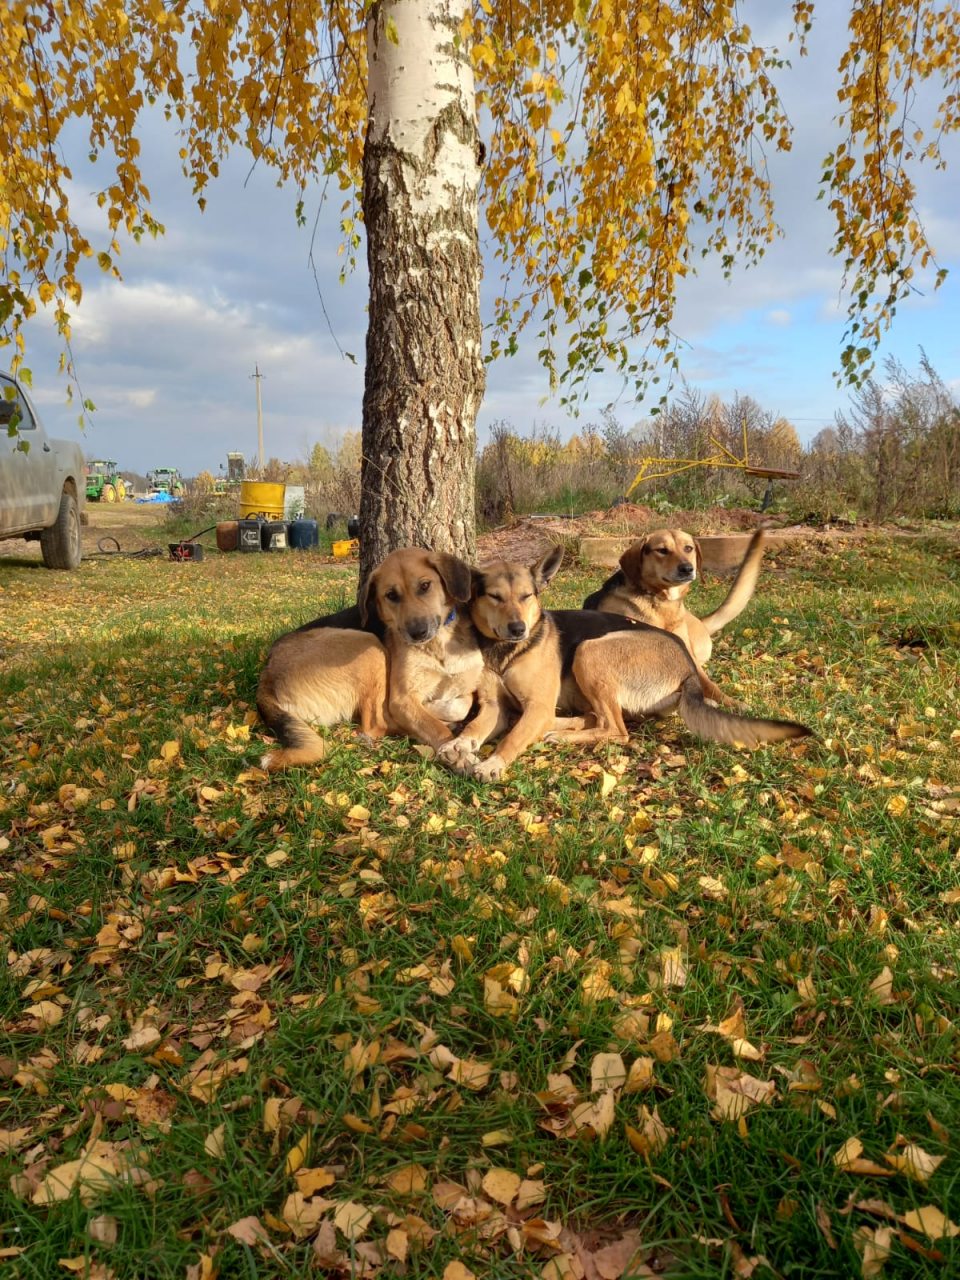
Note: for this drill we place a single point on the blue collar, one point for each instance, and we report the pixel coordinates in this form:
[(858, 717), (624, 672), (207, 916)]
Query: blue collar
[(450, 618)]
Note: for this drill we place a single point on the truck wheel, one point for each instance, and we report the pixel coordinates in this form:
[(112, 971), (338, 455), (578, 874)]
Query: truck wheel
[(109, 493), (60, 544)]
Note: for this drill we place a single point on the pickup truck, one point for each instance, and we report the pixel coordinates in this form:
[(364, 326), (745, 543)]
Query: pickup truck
[(42, 488)]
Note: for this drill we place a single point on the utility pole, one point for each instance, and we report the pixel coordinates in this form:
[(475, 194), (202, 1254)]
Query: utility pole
[(257, 375)]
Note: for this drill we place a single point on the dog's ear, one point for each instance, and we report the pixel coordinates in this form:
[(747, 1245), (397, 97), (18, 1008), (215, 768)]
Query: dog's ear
[(455, 575), (546, 567), (631, 562), (366, 596), (699, 558), (477, 583)]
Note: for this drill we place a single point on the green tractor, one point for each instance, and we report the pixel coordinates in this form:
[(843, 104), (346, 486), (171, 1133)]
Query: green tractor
[(104, 482), (166, 480)]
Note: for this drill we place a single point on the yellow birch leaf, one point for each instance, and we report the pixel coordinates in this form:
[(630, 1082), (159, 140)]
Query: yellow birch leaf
[(297, 1155), (501, 1185)]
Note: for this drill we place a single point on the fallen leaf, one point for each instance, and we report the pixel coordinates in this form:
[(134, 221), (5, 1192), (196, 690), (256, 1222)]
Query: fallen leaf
[(881, 988), (248, 1231), (914, 1162), (351, 1219), (607, 1072), (501, 1185), (457, 1271), (931, 1221), (873, 1245), (849, 1160), (213, 1143), (408, 1180)]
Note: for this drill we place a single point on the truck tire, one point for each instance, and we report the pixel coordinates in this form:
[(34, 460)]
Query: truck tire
[(60, 544)]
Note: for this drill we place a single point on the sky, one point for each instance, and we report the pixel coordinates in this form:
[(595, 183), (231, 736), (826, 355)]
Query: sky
[(167, 355)]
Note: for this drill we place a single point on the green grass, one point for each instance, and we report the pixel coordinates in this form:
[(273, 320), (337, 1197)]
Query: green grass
[(390, 919)]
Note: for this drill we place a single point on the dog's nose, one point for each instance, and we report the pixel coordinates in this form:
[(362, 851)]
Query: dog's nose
[(516, 630), (418, 629), (685, 569)]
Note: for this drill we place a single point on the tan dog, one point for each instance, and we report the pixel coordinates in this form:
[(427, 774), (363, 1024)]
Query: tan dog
[(583, 661), (654, 578), (327, 676), (423, 677), (436, 667)]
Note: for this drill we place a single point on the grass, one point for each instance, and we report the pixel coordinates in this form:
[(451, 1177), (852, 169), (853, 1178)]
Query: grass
[(403, 980)]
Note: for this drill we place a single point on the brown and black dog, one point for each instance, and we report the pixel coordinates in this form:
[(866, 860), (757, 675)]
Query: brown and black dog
[(404, 659), (585, 664), (654, 578)]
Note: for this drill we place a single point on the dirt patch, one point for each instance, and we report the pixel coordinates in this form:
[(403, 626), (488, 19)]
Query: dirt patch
[(134, 525)]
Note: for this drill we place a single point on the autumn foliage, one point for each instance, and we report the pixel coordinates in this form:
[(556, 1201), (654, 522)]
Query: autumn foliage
[(621, 139)]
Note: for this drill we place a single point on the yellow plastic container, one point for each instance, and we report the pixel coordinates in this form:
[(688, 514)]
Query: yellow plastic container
[(257, 498), (346, 547)]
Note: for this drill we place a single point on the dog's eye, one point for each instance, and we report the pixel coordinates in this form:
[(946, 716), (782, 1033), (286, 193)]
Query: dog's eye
[(393, 595), (688, 550), (528, 596), (662, 551), (495, 598), (425, 586)]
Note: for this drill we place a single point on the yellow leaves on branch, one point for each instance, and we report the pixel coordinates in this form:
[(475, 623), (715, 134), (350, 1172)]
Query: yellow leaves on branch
[(614, 130)]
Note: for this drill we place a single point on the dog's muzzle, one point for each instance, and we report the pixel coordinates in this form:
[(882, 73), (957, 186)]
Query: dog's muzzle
[(515, 631), (686, 572), (420, 630)]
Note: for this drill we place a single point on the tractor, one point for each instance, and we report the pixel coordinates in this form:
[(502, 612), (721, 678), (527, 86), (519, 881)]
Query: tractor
[(166, 480), (104, 482)]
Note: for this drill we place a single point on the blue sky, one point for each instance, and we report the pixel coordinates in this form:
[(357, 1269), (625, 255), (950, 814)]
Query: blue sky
[(167, 354)]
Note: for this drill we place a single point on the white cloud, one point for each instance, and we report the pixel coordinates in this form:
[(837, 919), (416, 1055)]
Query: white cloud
[(780, 318)]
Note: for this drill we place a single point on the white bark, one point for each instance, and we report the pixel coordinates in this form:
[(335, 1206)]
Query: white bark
[(424, 373)]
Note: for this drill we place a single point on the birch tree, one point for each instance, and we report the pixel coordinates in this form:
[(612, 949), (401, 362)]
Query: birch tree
[(622, 138)]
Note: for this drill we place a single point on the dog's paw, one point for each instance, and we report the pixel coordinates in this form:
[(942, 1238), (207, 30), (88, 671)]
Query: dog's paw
[(490, 770), (459, 754)]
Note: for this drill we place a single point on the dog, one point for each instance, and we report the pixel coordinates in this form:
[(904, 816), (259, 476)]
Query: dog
[(404, 659), (589, 666), (326, 675), (437, 672), (654, 578)]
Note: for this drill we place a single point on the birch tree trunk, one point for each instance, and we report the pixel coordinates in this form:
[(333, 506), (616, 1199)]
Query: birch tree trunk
[(424, 375)]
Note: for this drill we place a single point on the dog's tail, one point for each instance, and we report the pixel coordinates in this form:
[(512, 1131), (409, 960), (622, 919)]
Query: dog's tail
[(720, 726), (299, 744), (743, 586)]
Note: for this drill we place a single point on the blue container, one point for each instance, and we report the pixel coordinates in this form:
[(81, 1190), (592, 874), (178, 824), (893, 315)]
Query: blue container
[(304, 534)]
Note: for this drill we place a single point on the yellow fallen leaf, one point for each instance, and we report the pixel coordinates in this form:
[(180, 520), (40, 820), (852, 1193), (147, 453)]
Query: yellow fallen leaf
[(501, 1185), (849, 1159), (351, 1219), (309, 1181), (874, 1248), (931, 1221), (170, 750), (881, 988), (914, 1162), (495, 1138), (408, 1180), (470, 1073), (94, 1173), (297, 1155), (213, 1143), (652, 1135), (457, 1271), (640, 1076)]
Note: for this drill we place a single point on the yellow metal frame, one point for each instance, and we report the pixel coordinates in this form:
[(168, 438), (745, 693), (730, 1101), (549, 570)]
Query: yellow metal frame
[(723, 457)]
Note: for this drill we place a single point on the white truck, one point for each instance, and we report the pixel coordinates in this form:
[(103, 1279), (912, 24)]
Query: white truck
[(42, 487)]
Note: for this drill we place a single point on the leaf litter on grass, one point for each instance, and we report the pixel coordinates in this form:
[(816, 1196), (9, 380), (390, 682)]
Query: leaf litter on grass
[(649, 1010)]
